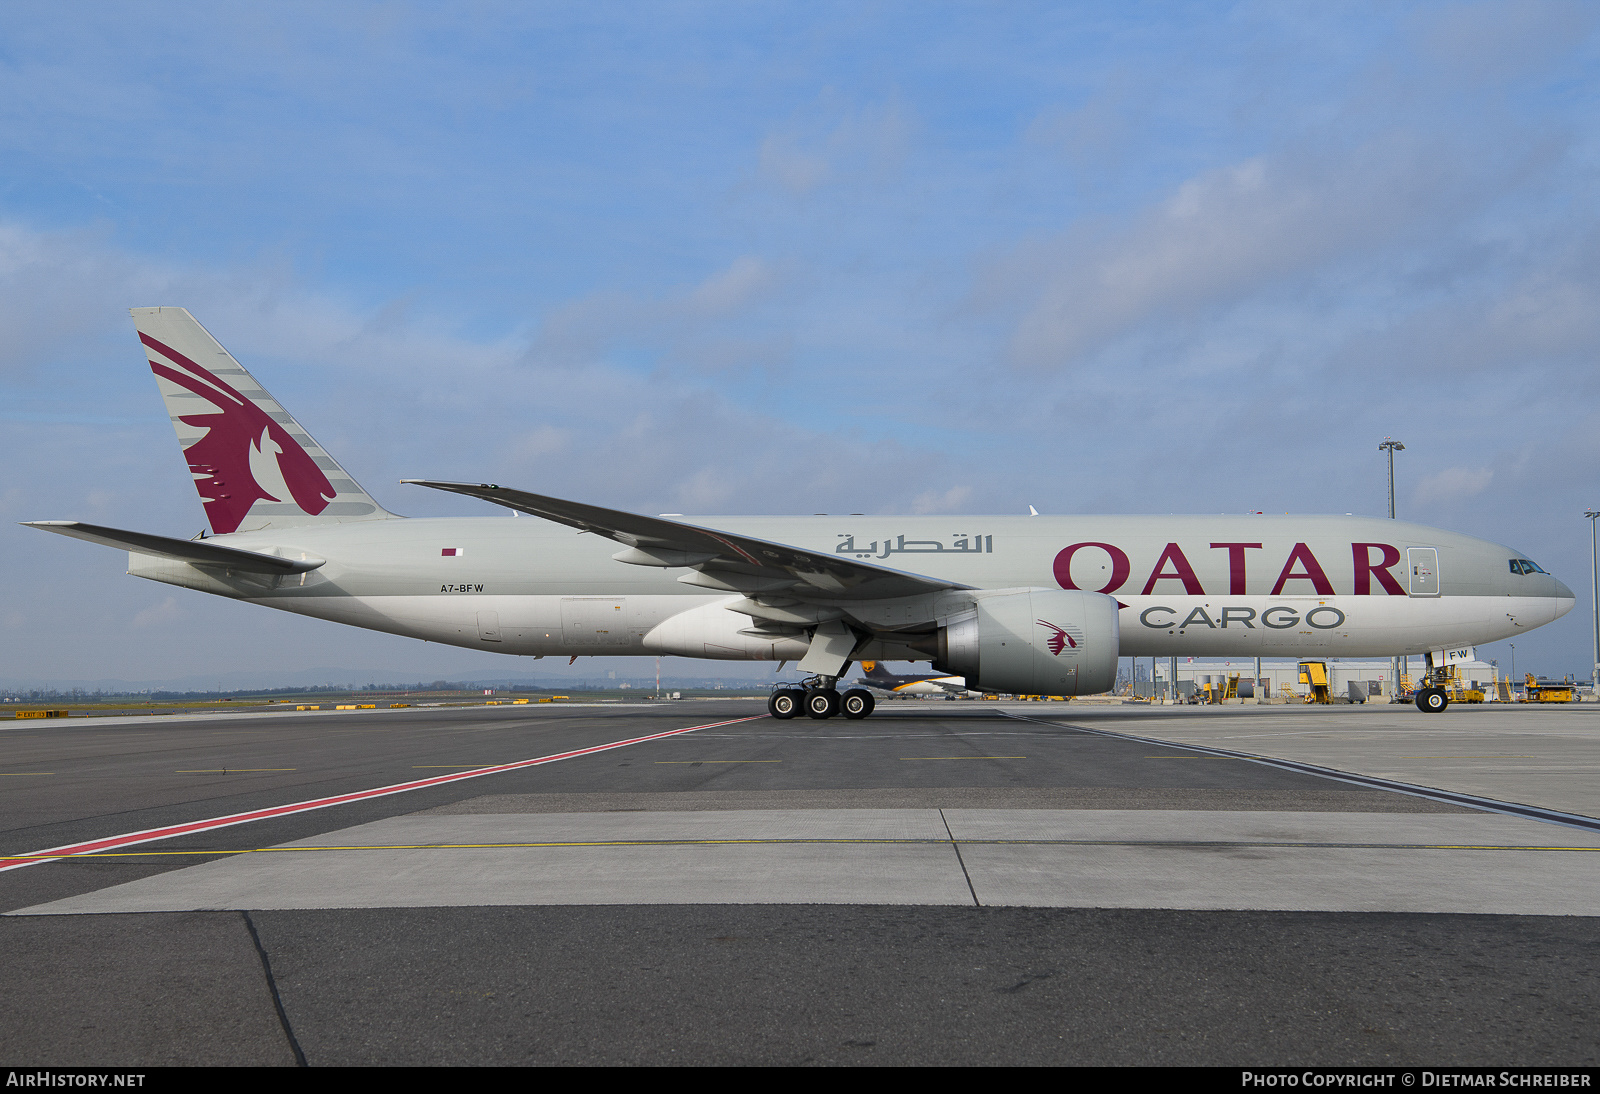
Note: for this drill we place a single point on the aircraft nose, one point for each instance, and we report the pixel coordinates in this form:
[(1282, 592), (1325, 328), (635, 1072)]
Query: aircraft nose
[(1564, 597)]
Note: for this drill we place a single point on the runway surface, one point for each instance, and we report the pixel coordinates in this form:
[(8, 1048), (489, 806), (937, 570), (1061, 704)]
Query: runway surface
[(941, 883)]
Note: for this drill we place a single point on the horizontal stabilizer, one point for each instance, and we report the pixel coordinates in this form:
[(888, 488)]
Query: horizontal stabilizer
[(197, 551)]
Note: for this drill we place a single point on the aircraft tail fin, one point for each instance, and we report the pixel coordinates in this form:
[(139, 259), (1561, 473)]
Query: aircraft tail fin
[(252, 463)]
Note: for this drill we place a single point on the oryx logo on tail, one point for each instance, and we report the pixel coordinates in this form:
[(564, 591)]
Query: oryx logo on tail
[(245, 456), (1060, 638)]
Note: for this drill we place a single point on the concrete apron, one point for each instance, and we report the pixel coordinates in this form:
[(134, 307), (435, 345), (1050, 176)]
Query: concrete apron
[(1301, 861), (1548, 757)]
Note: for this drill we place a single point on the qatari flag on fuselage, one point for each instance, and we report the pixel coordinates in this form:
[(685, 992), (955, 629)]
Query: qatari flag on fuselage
[(456, 552)]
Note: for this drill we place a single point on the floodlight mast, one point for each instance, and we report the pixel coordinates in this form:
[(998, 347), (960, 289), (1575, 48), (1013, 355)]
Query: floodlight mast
[(1594, 566), (1391, 446)]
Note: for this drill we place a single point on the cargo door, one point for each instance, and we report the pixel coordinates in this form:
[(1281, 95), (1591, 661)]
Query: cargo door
[(593, 621), (489, 626), (1423, 566)]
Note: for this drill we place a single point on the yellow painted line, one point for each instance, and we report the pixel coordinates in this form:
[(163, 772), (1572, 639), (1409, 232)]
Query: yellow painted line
[(225, 770), (813, 842), (719, 761), (963, 757)]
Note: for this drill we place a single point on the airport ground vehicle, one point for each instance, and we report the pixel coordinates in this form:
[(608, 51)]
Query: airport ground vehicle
[(1028, 605), (1536, 690)]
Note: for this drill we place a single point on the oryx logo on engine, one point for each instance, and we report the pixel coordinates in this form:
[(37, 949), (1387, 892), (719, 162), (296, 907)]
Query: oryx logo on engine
[(1060, 638)]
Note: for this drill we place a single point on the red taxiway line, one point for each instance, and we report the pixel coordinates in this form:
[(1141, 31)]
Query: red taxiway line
[(148, 835)]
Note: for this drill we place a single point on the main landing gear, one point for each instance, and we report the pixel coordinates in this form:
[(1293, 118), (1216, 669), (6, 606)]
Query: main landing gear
[(819, 698)]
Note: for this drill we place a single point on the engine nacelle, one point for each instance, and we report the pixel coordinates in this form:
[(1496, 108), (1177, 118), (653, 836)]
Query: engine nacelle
[(1035, 642)]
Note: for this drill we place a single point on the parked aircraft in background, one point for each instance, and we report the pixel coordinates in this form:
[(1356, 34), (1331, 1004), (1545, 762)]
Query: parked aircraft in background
[(1033, 605), (875, 676)]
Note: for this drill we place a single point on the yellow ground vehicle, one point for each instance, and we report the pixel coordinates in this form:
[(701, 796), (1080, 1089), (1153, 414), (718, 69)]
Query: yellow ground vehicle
[(1458, 689), (1548, 691), (1315, 675)]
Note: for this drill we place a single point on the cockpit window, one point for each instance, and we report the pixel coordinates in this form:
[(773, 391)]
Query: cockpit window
[(1525, 566)]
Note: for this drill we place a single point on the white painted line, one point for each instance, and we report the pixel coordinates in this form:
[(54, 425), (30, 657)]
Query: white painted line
[(151, 834)]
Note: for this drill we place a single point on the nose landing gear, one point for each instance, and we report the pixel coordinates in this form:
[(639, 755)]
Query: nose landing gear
[(1432, 700)]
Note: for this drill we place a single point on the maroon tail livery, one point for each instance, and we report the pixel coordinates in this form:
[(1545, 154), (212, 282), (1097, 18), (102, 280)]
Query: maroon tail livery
[(252, 464), (221, 460)]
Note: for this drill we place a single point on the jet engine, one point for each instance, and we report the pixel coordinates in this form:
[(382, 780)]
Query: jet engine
[(1034, 642)]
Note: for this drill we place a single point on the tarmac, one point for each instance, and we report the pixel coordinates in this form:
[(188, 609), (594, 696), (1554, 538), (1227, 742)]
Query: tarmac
[(1240, 885)]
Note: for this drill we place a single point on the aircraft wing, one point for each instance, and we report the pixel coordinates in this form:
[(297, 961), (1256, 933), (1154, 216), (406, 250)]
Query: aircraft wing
[(722, 560), (187, 550)]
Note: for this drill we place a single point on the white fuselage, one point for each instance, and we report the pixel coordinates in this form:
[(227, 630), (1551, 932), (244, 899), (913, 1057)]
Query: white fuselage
[(1200, 586)]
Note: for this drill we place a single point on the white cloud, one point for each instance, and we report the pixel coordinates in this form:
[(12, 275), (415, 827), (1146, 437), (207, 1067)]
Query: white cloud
[(1095, 135), (58, 286), (833, 143), (706, 491), (158, 615), (733, 288), (697, 325), (1255, 230), (1451, 485), (796, 171), (1496, 39), (936, 501), (392, 391), (544, 440)]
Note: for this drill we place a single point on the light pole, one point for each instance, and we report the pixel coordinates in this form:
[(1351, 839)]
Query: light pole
[(1513, 646), (1594, 565), (1391, 446)]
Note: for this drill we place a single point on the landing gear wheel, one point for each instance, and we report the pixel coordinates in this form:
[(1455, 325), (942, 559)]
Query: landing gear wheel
[(822, 703), (1432, 700), (857, 703), (785, 703)]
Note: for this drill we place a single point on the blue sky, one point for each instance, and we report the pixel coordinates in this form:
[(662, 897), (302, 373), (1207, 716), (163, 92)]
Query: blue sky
[(797, 258)]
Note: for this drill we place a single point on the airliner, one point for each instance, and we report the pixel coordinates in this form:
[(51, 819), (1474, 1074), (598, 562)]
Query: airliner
[(1015, 604), (875, 676)]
